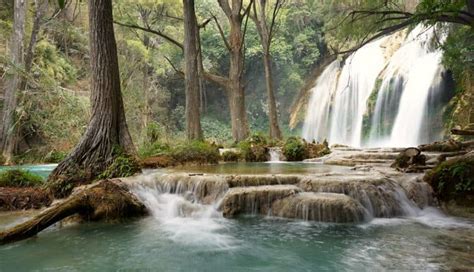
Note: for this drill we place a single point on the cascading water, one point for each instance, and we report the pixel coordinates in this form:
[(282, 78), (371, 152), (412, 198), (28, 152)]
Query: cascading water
[(385, 94), (275, 154), (183, 201)]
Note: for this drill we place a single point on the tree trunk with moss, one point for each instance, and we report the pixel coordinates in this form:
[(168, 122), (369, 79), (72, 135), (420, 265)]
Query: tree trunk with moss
[(9, 127), (104, 200), (191, 72), (107, 131)]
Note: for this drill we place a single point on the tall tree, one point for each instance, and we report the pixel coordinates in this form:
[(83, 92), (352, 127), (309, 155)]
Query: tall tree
[(236, 14), (9, 128), (266, 31), (107, 130), (191, 72)]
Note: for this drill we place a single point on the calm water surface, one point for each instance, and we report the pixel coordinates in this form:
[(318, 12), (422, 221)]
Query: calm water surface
[(247, 244), (205, 241)]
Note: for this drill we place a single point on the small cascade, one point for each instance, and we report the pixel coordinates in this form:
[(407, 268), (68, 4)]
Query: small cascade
[(207, 199), (322, 207), (381, 197), (391, 92), (275, 154)]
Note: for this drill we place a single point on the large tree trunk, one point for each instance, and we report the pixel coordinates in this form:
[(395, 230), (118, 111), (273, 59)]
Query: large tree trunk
[(236, 90), (9, 127), (236, 98), (275, 132), (191, 73), (107, 128)]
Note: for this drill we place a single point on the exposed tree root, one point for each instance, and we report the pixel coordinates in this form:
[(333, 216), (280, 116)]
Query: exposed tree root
[(104, 200), (447, 146)]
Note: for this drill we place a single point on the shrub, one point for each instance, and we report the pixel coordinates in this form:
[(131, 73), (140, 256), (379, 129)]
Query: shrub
[(19, 178), (155, 149), (54, 156), (195, 152), (254, 148), (230, 156), (2, 160), (294, 149)]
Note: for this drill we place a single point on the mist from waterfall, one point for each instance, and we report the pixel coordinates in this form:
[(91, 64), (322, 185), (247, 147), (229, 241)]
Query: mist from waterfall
[(381, 95)]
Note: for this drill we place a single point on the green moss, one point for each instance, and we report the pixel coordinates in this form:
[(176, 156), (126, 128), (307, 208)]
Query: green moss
[(231, 156), (19, 178), (156, 148), (123, 165), (295, 149), (195, 152), (453, 178)]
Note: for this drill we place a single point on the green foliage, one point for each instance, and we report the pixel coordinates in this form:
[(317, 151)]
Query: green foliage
[(156, 148), (459, 51), (215, 130), (19, 178), (51, 65), (254, 148), (55, 156), (231, 156), (294, 149), (453, 178)]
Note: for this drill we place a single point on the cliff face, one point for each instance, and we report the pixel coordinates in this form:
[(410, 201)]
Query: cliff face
[(463, 112)]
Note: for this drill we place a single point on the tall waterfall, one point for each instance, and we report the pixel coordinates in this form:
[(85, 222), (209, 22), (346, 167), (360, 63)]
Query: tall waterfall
[(387, 93)]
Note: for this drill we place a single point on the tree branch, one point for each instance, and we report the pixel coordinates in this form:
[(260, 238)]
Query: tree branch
[(179, 72), (221, 32), (219, 80), (156, 32)]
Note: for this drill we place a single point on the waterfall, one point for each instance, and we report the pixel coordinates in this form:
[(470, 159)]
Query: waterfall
[(387, 93)]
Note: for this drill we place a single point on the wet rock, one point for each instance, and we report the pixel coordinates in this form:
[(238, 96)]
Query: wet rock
[(258, 180), (409, 159), (255, 199), (380, 196), (204, 188), (322, 207)]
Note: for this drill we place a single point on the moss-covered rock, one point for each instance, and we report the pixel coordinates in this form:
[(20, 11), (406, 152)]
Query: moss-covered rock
[(122, 166), (161, 154), (158, 161), (255, 148), (453, 181), (197, 152), (231, 156), (315, 150)]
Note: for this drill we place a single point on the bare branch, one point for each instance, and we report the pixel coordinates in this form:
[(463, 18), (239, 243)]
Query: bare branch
[(156, 32), (221, 32)]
